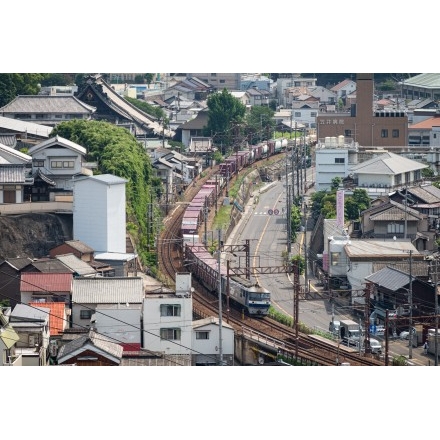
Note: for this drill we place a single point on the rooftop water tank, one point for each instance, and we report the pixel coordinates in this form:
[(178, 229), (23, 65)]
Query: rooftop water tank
[(341, 140)]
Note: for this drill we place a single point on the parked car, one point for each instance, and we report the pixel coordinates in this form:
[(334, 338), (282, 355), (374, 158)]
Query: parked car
[(405, 333), (376, 346)]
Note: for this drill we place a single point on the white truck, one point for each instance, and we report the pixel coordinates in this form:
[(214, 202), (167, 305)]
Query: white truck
[(350, 332)]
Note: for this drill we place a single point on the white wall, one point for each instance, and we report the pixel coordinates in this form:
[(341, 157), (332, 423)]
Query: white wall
[(99, 215), (153, 322)]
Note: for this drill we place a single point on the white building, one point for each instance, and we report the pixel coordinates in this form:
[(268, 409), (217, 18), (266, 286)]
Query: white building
[(334, 157), (206, 345), (99, 212)]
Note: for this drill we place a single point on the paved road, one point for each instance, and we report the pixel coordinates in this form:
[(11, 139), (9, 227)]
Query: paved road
[(264, 225)]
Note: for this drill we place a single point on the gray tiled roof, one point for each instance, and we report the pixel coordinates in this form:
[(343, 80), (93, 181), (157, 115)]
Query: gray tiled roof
[(99, 341), (12, 173), (80, 246), (47, 104), (428, 194)]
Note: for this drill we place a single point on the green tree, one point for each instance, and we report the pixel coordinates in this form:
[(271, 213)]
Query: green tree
[(295, 221), (300, 261), (225, 112), (427, 173), (336, 182), (359, 201), (13, 84), (149, 78), (259, 124)]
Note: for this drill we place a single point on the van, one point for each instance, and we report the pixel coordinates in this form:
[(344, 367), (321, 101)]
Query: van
[(334, 327)]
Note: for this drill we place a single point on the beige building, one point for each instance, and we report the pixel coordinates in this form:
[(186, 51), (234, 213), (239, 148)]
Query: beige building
[(367, 127)]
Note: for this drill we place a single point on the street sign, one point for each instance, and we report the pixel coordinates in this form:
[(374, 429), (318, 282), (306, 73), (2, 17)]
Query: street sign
[(270, 211), (373, 329), (276, 211)]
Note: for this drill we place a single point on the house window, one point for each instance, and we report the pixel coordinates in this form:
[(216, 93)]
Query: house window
[(85, 314), (297, 114), (395, 133), (170, 334), (339, 159), (395, 228), (41, 116), (58, 116), (170, 309), (202, 335), (213, 74), (38, 163), (347, 133), (335, 258), (24, 116), (313, 114), (222, 81), (384, 133), (65, 164)]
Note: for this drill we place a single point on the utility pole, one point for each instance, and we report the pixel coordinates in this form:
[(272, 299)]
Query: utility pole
[(296, 303), (410, 306), (220, 345), (436, 314)]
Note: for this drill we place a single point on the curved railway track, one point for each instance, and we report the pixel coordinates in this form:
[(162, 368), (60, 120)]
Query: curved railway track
[(279, 339)]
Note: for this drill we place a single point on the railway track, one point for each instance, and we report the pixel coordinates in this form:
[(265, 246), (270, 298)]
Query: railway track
[(279, 339)]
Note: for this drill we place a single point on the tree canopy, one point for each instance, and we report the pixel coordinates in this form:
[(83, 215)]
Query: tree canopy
[(225, 115)]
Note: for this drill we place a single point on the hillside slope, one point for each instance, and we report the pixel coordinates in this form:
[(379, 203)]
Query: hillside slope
[(33, 235)]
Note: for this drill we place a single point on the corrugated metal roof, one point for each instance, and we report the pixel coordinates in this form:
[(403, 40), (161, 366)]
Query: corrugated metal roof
[(381, 249), (390, 278), (57, 318), (387, 163), (426, 80), (45, 282), (24, 312), (76, 264), (18, 263), (31, 128), (107, 290), (55, 141)]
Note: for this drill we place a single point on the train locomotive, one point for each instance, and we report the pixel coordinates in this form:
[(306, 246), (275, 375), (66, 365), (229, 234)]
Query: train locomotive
[(246, 295)]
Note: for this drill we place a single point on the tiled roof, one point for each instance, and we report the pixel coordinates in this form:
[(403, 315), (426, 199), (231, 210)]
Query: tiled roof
[(12, 173), (342, 84), (18, 263), (426, 124), (8, 139), (57, 318), (394, 214), (80, 246), (88, 341), (429, 194), (107, 290), (45, 282), (47, 104)]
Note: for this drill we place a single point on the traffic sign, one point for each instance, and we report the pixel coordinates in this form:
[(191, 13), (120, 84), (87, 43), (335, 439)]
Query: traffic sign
[(270, 211), (276, 211)]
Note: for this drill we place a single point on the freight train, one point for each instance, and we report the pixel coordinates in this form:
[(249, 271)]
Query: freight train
[(254, 299)]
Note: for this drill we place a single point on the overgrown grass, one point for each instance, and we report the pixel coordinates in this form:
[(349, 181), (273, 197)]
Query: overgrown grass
[(222, 219)]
